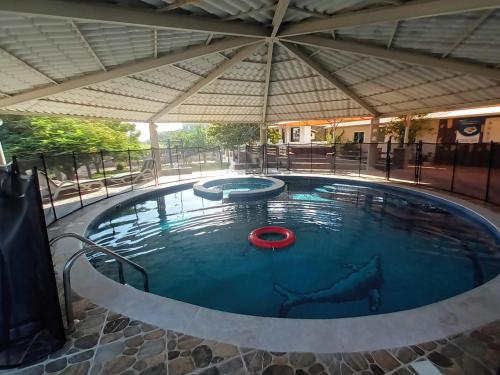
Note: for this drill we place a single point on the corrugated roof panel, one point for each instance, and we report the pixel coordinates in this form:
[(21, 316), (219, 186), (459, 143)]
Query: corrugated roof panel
[(378, 33), (214, 110), (299, 85), (169, 77), (306, 96), (52, 46), (433, 34), (247, 71), (202, 65), (137, 88), (330, 7), (16, 77), (170, 40), (292, 69), (194, 118), (484, 43), (53, 108), (117, 45), (234, 87), (219, 99)]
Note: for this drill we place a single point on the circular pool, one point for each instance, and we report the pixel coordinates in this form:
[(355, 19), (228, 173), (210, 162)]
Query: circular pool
[(238, 188), (360, 249)]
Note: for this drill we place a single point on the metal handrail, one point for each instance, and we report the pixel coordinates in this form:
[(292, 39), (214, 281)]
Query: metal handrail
[(72, 259)]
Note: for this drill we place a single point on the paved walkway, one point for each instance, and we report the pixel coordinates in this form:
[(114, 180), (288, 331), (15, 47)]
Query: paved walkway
[(108, 343)]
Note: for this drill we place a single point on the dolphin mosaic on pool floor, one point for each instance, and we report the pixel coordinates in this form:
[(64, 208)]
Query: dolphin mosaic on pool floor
[(107, 343)]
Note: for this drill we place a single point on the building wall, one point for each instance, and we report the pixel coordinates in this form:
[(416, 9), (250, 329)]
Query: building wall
[(491, 132)]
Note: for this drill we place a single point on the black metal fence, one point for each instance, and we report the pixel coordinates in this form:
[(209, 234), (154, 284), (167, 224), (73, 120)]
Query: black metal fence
[(71, 181), (469, 169)]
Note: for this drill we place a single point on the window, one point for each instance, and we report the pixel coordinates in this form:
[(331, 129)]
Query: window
[(295, 135), (359, 137)]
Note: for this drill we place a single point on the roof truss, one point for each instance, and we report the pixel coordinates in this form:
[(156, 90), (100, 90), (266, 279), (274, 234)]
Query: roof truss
[(412, 58), (80, 11), (410, 10), (297, 52), (128, 69), (216, 73)]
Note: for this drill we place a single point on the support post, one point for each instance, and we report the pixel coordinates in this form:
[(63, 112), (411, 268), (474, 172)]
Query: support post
[(104, 173), (155, 146), (75, 166), (373, 145), (490, 165), (263, 134), (130, 170), (3, 161), (49, 190), (455, 156)]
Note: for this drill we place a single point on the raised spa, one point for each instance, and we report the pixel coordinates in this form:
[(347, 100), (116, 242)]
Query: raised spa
[(238, 188), (360, 249)]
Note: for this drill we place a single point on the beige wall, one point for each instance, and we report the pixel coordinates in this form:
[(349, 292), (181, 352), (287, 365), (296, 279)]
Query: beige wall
[(431, 135), (491, 132), (348, 135)]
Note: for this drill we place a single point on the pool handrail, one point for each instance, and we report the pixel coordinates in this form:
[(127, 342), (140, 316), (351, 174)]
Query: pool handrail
[(91, 246)]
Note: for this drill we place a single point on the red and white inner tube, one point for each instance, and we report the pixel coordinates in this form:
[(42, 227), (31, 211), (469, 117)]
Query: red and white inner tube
[(254, 237)]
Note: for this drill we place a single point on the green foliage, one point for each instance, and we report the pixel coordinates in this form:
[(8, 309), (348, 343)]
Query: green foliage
[(231, 135), (28, 136), (419, 125), (195, 137), (273, 135)]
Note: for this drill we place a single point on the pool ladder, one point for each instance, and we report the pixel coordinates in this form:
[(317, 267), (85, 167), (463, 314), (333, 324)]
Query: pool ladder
[(91, 246)]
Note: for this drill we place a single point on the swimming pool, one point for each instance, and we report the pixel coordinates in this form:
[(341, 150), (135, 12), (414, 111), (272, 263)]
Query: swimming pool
[(359, 251)]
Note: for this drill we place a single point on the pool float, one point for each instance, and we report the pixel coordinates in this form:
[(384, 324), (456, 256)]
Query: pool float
[(255, 239)]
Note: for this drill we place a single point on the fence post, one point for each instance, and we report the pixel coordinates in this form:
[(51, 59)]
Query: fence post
[(418, 161), (220, 157), (334, 156), (178, 166), (288, 156), (455, 156), (130, 169), (199, 161), (388, 159), (77, 179), (44, 164), (104, 174), (170, 154), (360, 156), (490, 165)]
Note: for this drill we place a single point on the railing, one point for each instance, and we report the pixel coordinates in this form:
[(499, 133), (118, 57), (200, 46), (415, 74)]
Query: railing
[(469, 169), (92, 246), (71, 181)]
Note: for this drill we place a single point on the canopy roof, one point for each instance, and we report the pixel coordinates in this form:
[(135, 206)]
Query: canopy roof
[(247, 60)]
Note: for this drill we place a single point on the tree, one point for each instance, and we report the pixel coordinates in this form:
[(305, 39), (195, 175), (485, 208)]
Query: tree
[(194, 137), (29, 136), (396, 128), (274, 135), (232, 135)]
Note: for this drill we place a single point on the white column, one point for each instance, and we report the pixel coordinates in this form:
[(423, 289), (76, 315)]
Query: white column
[(2, 156), (305, 134), (407, 129), (263, 134), (155, 146), (373, 139)]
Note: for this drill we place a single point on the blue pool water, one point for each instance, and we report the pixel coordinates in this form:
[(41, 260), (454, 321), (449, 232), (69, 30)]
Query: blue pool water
[(241, 186), (359, 250)]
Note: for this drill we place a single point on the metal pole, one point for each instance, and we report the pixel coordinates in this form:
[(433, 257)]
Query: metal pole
[(44, 164), (490, 165), (311, 158), (454, 167), (360, 155), (77, 179), (178, 166), (104, 174), (220, 158), (334, 156), (130, 169), (288, 156), (170, 154), (388, 160), (199, 160)]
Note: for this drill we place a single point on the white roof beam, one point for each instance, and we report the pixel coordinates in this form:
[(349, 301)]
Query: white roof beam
[(411, 10), (250, 12), (412, 58), (16, 59), (270, 48), (128, 69), (216, 73), (468, 31), (177, 4), (279, 14), (93, 12), (297, 52), (393, 34), (307, 12), (155, 43), (87, 45)]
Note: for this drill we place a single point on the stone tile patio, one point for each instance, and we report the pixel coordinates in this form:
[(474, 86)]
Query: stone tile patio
[(108, 343)]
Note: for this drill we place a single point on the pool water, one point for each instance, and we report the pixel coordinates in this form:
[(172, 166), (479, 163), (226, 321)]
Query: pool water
[(359, 250), (244, 185)]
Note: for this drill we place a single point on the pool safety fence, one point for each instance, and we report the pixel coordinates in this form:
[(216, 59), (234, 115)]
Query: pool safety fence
[(471, 169), (71, 181)]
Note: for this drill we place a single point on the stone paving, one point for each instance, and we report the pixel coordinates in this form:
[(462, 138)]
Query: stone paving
[(107, 343)]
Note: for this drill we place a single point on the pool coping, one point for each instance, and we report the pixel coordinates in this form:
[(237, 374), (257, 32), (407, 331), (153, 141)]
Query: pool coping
[(463, 312), (204, 190)]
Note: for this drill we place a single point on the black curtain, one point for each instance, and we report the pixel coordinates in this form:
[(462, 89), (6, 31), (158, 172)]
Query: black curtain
[(30, 317)]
